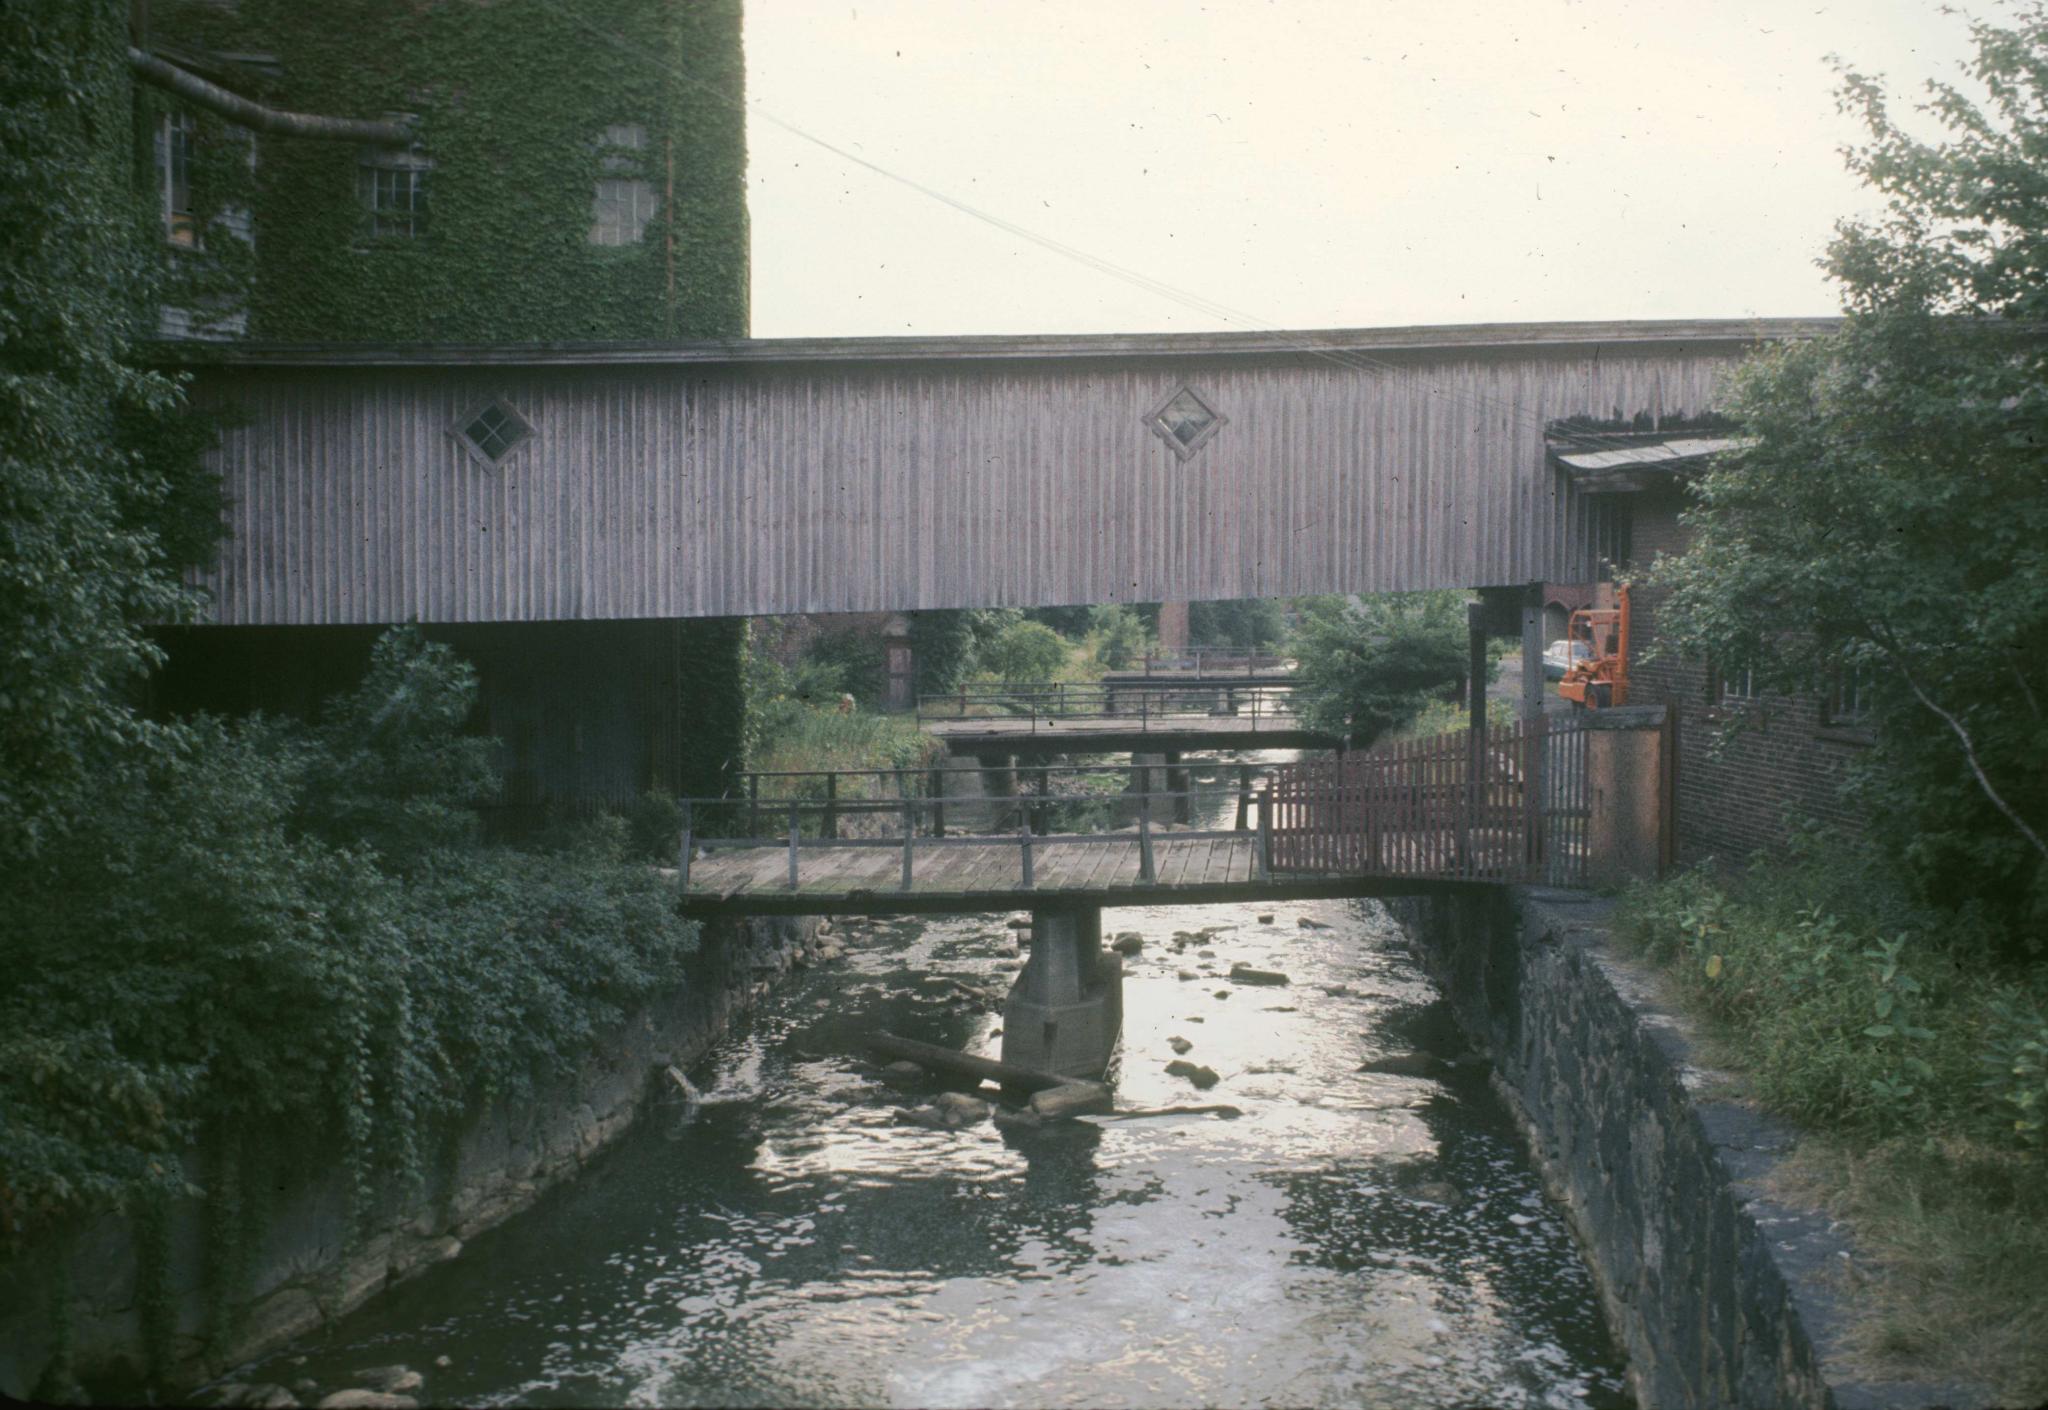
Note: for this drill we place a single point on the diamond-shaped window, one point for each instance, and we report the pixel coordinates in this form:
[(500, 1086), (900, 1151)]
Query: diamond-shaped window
[(1186, 423), (493, 431)]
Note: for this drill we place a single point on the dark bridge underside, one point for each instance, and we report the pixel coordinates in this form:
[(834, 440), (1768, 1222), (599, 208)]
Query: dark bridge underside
[(1026, 737), (1280, 888)]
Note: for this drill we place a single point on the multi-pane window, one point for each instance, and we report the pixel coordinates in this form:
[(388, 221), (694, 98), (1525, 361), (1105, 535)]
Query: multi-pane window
[(624, 202), (493, 431), (393, 189), (174, 178), (1735, 687), (1186, 422), (1612, 525), (1850, 699)]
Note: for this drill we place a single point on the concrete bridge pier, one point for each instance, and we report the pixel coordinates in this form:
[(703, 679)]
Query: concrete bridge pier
[(1177, 783), (1066, 1009)]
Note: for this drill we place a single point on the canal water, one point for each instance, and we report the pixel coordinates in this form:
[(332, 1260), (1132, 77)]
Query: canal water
[(1351, 1239)]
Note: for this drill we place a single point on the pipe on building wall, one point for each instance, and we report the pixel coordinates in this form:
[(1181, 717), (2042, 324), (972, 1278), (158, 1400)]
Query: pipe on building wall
[(191, 87)]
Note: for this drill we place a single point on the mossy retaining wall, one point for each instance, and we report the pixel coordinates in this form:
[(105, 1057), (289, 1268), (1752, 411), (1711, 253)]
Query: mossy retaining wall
[(1722, 1294), (305, 1271)]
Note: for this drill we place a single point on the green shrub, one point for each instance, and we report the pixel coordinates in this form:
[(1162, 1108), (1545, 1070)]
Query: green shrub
[(1025, 652), (1367, 670), (1116, 635), (1249, 623), (1852, 1007), (2014, 1054), (272, 929)]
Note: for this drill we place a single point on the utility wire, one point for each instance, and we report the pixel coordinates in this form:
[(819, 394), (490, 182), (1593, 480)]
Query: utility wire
[(1477, 402)]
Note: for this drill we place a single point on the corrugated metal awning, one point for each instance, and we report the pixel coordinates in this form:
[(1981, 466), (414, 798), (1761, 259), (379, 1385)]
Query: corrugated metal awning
[(1643, 463)]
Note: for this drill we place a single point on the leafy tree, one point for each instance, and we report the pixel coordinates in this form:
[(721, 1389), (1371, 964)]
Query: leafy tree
[(100, 495), (1368, 668), (1071, 622), (945, 643), (1025, 651), (1118, 634), (1248, 623), (1888, 521)]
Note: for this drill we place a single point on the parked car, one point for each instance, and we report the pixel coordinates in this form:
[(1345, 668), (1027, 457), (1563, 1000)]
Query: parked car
[(1559, 655)]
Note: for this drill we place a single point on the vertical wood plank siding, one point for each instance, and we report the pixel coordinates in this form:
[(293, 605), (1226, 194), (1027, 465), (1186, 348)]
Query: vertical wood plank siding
[(740, 488)]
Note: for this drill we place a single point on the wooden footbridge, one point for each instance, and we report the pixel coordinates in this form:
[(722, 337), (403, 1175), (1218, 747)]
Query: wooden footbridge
[(1513, 805)]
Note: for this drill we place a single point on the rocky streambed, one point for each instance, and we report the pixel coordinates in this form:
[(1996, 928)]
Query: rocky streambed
[(1334, 1211)]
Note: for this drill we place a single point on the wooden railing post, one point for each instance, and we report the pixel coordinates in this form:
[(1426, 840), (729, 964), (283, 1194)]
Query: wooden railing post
[(909, 837), (938, 802), (1265, 848), (1146, 875), (753, 805), (683, 858), (1024, 837), (830, 827), (1244, 796), (792, 844)]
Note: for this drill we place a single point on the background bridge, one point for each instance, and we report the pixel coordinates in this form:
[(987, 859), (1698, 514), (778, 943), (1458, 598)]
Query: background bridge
[(1155, 715)]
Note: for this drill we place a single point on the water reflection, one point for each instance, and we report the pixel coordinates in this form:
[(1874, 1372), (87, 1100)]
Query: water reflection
[(1354, 1238)]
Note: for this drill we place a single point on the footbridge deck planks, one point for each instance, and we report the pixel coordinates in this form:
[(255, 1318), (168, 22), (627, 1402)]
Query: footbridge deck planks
[(987, 874)]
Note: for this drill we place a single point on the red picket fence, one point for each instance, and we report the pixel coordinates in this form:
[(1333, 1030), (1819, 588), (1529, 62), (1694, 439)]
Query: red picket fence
[(1413, 809)]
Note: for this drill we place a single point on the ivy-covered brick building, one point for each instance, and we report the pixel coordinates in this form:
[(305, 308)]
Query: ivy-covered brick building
[(448, 171)]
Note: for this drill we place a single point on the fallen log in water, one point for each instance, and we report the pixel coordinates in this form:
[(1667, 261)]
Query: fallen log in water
[(1222, 1109), (940, 1059), (1072, 1099)]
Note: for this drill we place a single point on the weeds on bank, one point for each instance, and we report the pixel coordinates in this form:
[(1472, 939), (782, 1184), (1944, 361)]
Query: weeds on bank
[(1921, 1065)]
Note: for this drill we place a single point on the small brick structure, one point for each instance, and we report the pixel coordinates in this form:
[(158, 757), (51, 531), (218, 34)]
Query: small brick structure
[(1746, 765)]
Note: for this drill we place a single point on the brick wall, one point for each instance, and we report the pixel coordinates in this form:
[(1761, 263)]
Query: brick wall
[(1734, 800)]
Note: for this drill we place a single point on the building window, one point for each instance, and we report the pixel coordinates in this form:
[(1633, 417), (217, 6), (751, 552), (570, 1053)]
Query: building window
[(492, 431), (393, 188), (1850, 698), (1186, 422), (624, 202), (1613, 522), (174, 178), (1735, 687)]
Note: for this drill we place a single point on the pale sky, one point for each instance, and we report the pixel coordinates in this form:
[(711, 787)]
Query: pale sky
[(1307, 163)]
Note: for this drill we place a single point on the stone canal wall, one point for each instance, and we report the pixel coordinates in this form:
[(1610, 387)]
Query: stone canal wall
[(1720, 1294), (304, 1272)]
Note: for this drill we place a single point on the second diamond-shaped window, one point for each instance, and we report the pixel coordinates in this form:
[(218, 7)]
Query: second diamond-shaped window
[(493, 431), (1186, 422)]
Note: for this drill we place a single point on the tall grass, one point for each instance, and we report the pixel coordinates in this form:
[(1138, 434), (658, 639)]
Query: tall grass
[(1920, 1066)]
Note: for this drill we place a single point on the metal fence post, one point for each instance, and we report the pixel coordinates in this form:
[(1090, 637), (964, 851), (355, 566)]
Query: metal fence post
[(830, 827), (753, 805), (792, 845), (938, 802), (1024, 836), (1146, 875), (909, 838)]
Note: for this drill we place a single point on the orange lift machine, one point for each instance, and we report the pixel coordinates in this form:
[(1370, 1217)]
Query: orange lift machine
[(1601, 679)]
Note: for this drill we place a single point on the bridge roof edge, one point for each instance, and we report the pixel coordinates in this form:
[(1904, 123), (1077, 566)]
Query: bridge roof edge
[(1438, 338)]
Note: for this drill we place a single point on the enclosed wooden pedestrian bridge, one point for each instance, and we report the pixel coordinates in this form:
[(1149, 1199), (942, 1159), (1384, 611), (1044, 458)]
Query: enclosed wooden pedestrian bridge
[(1556, 800), (551, 482)]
